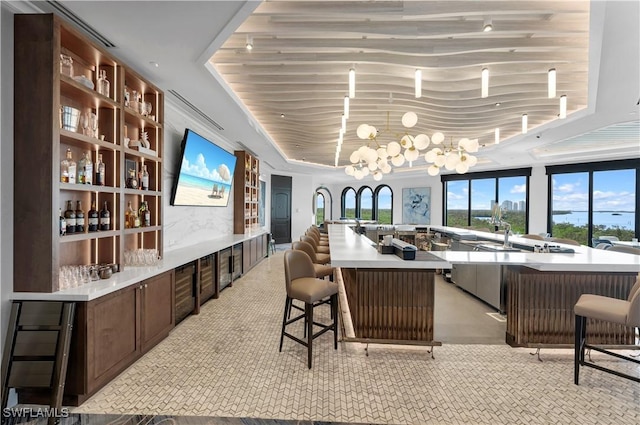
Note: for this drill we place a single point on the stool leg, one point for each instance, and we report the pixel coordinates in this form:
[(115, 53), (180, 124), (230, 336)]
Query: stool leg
[(334, 316), (578, 356), (287, 310), (308, 309)]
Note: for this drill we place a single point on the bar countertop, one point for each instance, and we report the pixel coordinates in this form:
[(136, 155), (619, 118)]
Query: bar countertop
[(134, 274), (351, 250)]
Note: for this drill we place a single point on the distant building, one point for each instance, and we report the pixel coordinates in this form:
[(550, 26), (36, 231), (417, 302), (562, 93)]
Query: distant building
[(522, 205), (507, 205)]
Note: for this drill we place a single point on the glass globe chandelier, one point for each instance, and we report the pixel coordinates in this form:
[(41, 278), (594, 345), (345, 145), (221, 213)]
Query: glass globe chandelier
[(375, 159)]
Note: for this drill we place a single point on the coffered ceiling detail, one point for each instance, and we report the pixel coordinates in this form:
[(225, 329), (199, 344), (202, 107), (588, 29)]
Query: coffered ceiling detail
[(294, 80)]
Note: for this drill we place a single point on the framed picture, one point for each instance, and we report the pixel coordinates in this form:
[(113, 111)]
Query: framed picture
[(130, 165), (416, 205)]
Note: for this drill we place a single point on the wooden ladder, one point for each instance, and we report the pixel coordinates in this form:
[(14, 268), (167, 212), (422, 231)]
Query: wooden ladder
[(36, 350)]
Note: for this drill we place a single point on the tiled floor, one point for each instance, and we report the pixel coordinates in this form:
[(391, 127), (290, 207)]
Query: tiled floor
[(225, 362)]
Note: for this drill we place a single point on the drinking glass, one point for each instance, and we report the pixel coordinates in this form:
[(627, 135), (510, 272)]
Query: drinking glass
[(93, 121), (85, 123)]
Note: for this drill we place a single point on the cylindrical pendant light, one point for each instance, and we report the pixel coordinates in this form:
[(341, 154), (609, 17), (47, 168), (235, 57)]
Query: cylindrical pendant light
[(485, 82), (563, 107), (418, 83), (344, 124), (497, 140), (352, 83), (525, 123), (346, 107), (552, 83)]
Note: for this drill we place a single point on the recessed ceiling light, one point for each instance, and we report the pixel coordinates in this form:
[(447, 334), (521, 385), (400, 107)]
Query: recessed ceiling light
[(281, 115), (498, 104), (153, 63)]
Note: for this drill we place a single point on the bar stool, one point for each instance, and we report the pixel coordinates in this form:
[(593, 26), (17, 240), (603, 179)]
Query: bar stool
[(319, 234), (622, 312), (272, 245), (302, 285), (319, 243), (322, 270), (323, 257)]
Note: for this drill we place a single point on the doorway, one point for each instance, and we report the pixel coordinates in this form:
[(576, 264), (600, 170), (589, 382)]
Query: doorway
[(281, 208)]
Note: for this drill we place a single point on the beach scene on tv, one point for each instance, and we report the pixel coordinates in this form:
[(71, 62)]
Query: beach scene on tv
[(206, 174)]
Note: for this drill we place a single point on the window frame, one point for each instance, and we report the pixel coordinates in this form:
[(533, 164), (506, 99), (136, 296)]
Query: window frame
[(359, 193), (343, 208), (376, 192)]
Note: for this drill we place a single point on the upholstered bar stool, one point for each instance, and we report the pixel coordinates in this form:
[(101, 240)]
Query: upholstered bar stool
[(302, 285), (319, 249), (622, 312), (565, 241), (317, 238), (322, 270), (317, 232), (625, 249)]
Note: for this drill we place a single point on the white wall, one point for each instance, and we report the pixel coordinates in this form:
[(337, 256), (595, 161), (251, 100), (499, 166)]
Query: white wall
[(538, 193)]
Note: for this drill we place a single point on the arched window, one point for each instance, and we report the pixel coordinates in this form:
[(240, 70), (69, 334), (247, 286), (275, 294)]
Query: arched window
[(364, 203), (383, 204), (348, 203), (320, 208)]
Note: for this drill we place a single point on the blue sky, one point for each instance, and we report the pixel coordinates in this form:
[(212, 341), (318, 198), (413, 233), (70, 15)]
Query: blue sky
[(483, 192), (612, 191), (204, 159)]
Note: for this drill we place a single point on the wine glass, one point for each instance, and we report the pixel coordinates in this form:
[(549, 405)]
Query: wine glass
[(85, 123), (94, 124)]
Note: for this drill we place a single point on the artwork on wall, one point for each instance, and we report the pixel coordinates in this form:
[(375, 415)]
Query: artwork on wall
[(416, 205)]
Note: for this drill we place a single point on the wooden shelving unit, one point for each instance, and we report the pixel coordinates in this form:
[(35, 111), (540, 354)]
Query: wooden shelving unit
[(41, 90), (246, 190)]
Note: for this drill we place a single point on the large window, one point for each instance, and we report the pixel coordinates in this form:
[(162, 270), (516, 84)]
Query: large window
[(348, 203), (364, 204), (383, 204), (592, 200), (469, 199)]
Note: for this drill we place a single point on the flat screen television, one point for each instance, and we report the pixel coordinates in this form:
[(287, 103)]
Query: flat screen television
[(205, 175)]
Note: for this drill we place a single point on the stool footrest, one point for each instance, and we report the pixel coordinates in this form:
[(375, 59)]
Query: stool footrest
[(608, 370)]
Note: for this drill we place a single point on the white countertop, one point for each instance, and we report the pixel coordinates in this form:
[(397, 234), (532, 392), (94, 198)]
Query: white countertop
[(132, 274), (351, 250)]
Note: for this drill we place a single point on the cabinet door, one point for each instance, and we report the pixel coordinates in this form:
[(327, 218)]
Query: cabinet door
[(157, 317), (237, 261), (224, 266), (247, 261), (113, 338), (207, 278)]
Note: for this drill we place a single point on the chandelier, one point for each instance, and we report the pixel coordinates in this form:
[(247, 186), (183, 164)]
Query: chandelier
[(375, 159)]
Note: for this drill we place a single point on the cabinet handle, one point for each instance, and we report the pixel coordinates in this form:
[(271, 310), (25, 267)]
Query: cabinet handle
[(140, 287), (145, 285)]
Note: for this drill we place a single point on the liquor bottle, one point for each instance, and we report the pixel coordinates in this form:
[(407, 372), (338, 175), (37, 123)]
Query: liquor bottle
[(104, 86), (79, 218), (68, 168), (63, 224), (147, 215), (105, 218), (145, 178), (82, 164), (128, 216), (94, 221), (100, 171), (141, 212), (88, 170), (70, 217), (132, 180)]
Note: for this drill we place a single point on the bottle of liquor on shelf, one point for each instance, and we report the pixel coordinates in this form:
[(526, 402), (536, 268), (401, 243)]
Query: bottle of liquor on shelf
[(132, 180), (82, 164), (104, 87), (128, 216), (100, 171), (68, 168), (70, 217), (141, 212), (79, 218), (93, 221), (88, 170), (63, 224), (145, 178), (105, 218), (147, 215)]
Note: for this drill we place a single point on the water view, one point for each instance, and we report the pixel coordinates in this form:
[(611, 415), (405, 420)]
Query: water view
[(623, 220)]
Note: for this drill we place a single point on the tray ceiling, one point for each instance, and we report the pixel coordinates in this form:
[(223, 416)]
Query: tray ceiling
[(295, 78)]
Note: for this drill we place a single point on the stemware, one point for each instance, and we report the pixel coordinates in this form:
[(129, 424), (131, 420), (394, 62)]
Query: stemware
[(93, 119), (85, 123)]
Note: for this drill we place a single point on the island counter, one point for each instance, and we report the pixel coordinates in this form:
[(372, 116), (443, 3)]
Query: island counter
[(393, 299)]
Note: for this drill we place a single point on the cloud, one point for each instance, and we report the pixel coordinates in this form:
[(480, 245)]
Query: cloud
[(200, 169), (519, 188)]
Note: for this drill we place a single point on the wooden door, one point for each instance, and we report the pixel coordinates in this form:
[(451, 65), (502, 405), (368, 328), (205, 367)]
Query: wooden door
[(281, 208), (157, 317), (113, 335)]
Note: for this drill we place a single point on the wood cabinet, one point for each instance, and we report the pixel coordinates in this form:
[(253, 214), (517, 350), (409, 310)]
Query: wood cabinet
[(246, 190), (58, 109), (253, 251), (112, 332)]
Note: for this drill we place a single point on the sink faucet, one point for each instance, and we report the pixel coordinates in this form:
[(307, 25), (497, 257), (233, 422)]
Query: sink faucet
[(496, 220)]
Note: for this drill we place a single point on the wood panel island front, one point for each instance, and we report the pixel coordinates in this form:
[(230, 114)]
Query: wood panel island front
[(392, 300)]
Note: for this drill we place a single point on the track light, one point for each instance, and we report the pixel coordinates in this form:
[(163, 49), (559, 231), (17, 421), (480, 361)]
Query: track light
[(525, 123), (563, 107), (352, 83), (418, 83), (249, 44), (485, 82), (488, 25), (552, 83)]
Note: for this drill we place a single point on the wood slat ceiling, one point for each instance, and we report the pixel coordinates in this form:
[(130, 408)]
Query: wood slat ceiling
[(303, 51)]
